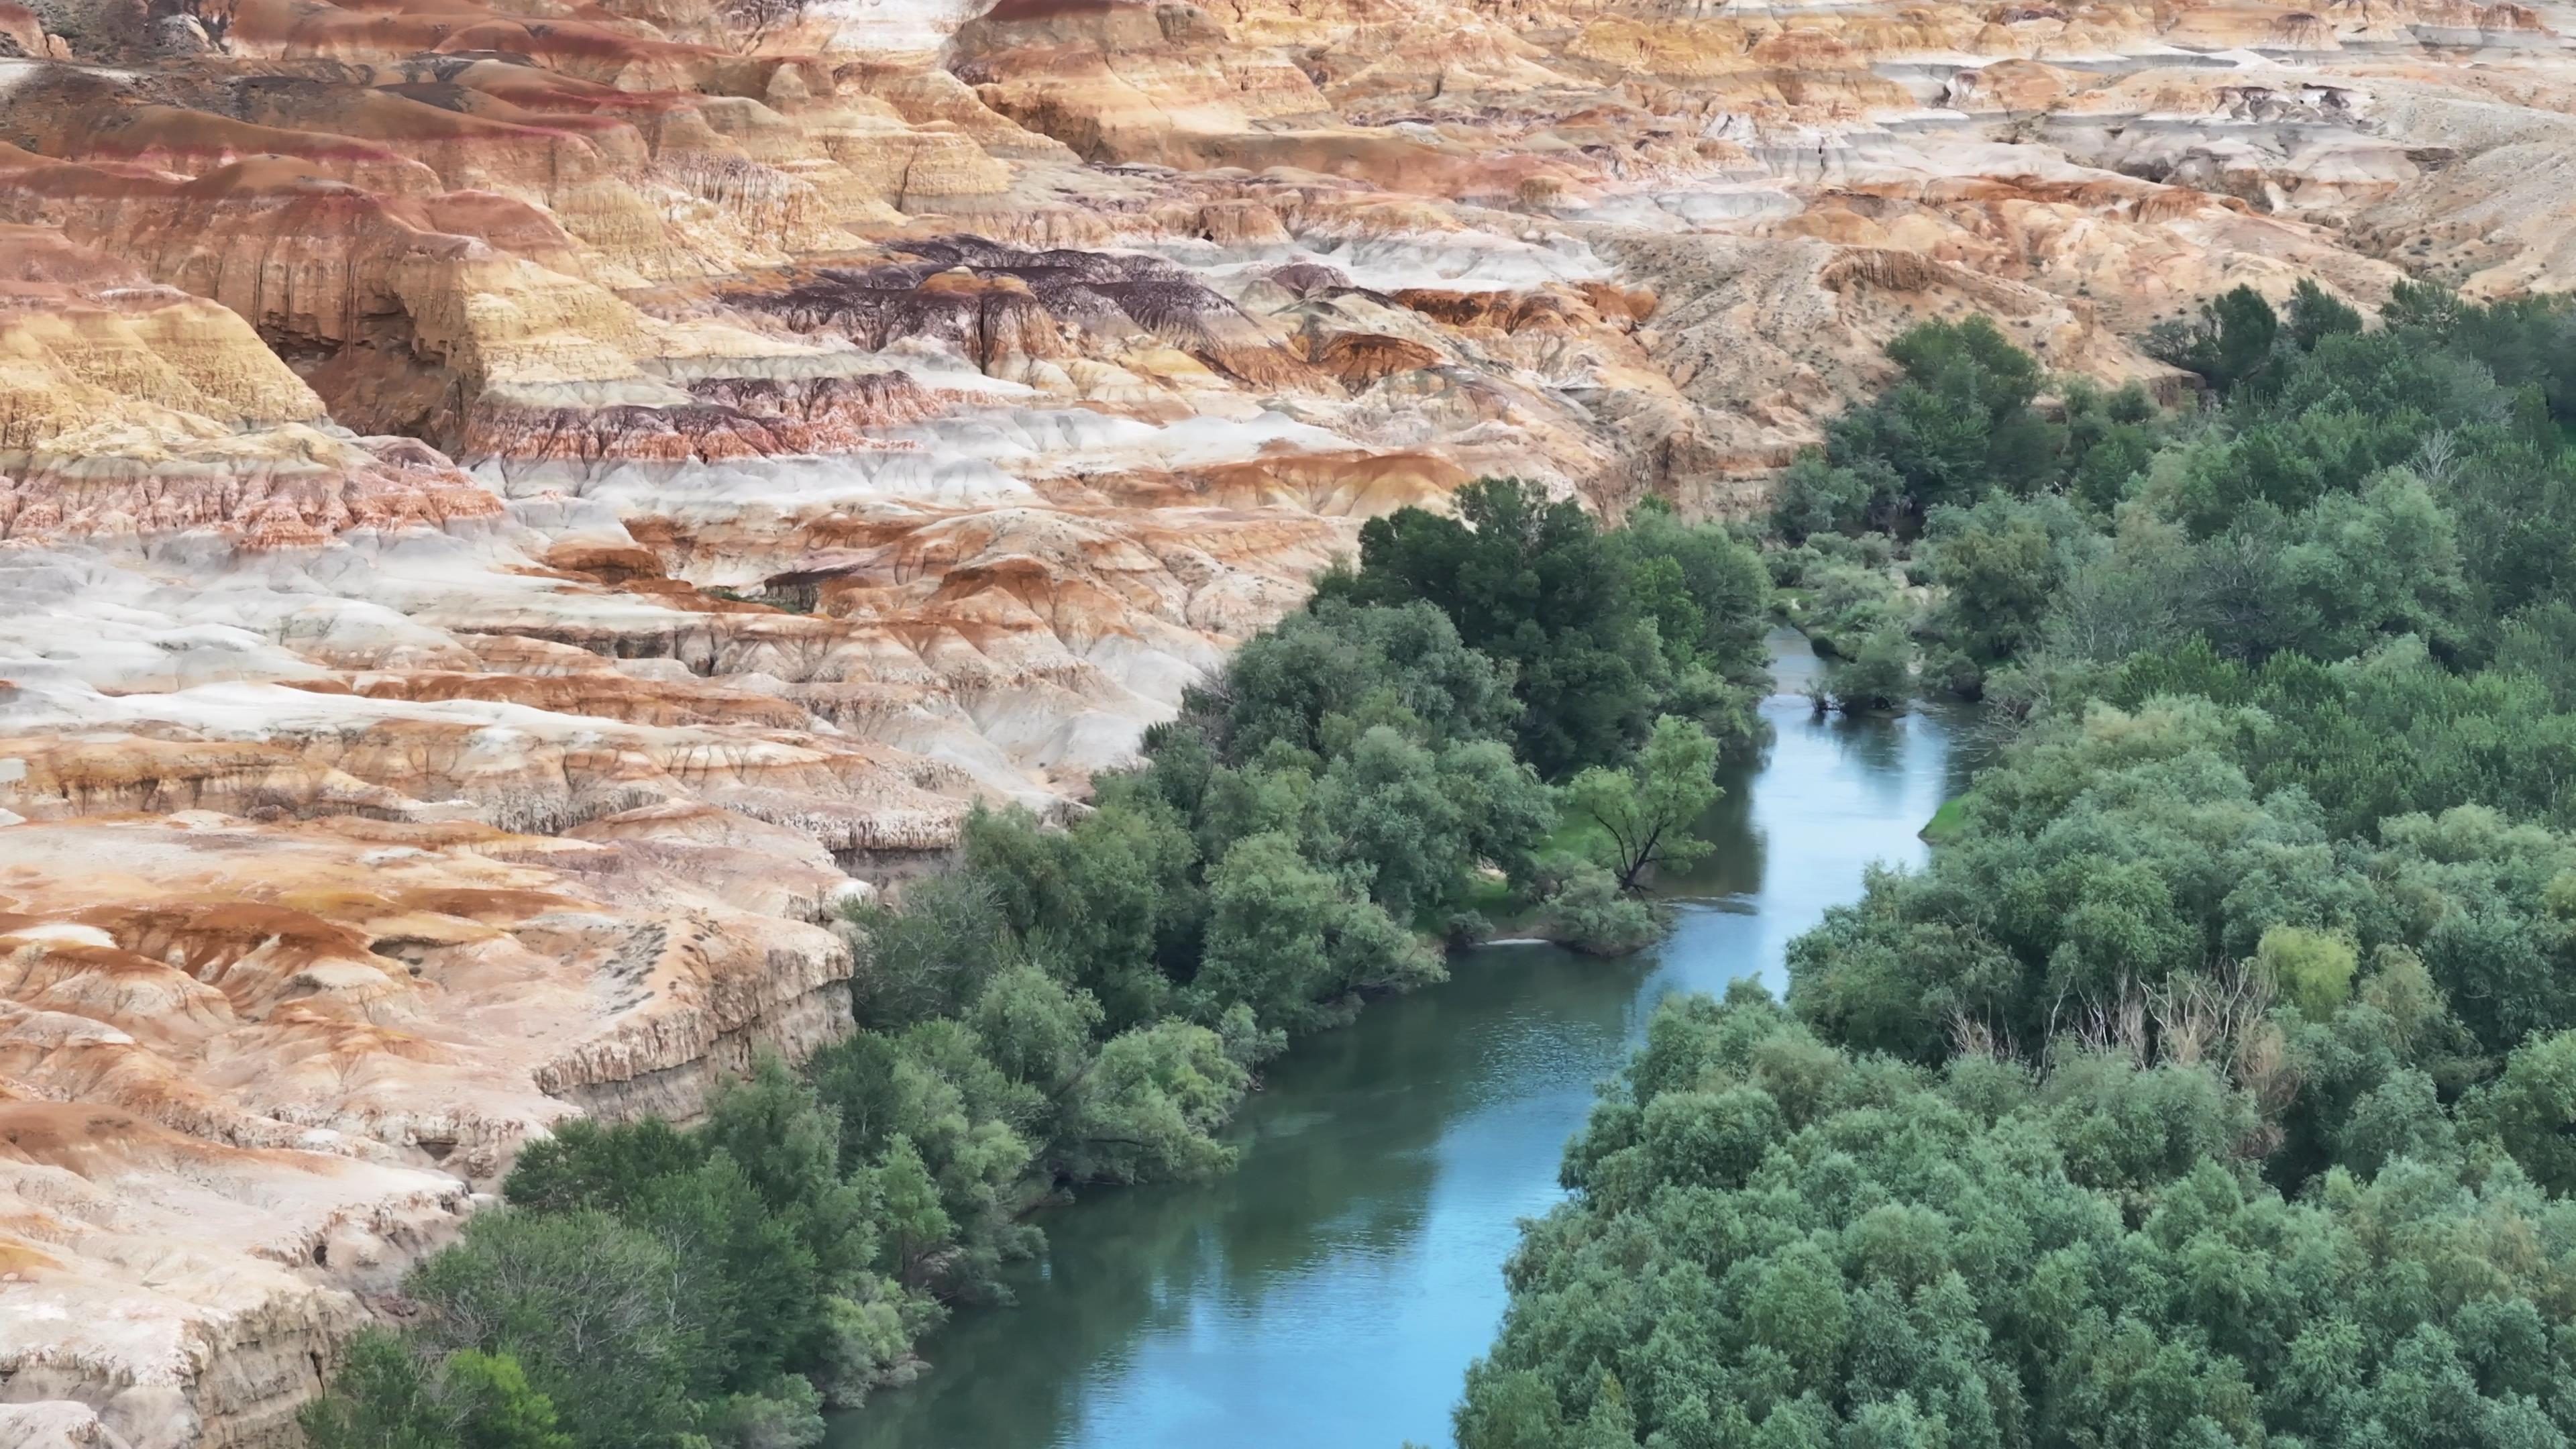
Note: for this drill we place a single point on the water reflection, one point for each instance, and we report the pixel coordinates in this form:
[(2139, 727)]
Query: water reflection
[(1332, 1290)]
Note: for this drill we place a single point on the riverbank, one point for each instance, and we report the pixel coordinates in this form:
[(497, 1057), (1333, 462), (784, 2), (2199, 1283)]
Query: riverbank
[(1333, 1287)]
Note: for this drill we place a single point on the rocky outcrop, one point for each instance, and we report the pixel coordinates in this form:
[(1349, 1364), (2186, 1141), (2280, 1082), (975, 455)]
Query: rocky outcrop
[(510, 514)]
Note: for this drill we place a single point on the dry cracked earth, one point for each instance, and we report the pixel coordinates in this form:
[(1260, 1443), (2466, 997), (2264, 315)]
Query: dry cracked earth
[(509, 514)]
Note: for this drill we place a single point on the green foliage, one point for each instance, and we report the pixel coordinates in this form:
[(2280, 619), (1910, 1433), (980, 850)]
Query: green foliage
[(591, 1307), (2309, 969), (590, 1164), (1294, 942), (787, 1414), (975, 1129), (2392, 733), (1999, 565), (1959, 424), (1879, 676), (2317, 314), (1601, 631), (2231, 343), (386, 1397), (1818, 495), (930, 958), (2213, 1084), (380, 1399), (1151, 1105), (774, 1129), (1645, 813), (916, 1223), (2530, 1106), (643, 1280), (1705, 590), (2113, 856), (2358, 486), (1036, 1030), (1589, 912), (1323, 675), (1384, 810), (1107, 903), (1842, 603), (1774, 1242), (1531, 583)]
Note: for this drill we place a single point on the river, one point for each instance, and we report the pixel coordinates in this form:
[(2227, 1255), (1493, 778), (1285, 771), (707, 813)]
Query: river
[(1329, 1292)]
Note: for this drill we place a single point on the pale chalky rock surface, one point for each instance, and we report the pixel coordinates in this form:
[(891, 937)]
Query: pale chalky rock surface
[(511, 514)]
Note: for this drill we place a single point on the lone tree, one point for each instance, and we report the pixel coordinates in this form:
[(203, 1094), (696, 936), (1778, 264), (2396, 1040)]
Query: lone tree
[(1646, 810), (2231, 344)]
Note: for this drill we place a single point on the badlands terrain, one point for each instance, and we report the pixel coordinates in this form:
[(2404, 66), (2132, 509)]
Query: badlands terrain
[(512, 515)]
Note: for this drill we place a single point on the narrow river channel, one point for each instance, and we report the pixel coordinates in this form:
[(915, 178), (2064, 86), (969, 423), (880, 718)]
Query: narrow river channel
[(1329, 1293)]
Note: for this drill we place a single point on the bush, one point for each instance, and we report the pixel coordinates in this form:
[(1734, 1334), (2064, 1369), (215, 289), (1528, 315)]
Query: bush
[(1591, 914), (1878, 677)]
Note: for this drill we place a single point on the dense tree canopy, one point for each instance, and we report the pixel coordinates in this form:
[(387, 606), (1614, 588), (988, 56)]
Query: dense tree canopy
[(1774, 1242), (1960, 423), (1602, 630), (2214, 1084)]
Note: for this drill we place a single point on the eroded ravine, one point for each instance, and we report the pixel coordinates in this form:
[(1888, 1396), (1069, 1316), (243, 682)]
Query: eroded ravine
[(1332, 1289)]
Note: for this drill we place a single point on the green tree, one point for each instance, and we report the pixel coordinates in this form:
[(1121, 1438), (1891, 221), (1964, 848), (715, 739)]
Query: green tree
[(1879, 675), (1709, 593), (1645, 813), (386, 1396), (381, 1398), (2317, 314), (2358, 568), (1505, 810), (967, 1121), (495, 1407), (2400, 1117), (1381, 809), (2531, 1109), (1289, 939), (590, 1308), (1771, 1241), (2311, 970), (754, 1300), (933, 955), (786, 1413), (2000, 565), (1399, 663), (1959, 422), (1035, 1029), (1151, 1105), (789, 1147), (1588, 912), (1529, 582), (1109, 902), (586, 1163), (1818, 495), (915, 1225), (2230, 344)]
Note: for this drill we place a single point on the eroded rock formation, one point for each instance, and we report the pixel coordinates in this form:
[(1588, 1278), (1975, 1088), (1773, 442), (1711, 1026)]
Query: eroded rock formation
[(511, 512)]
